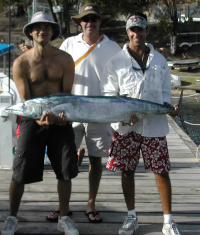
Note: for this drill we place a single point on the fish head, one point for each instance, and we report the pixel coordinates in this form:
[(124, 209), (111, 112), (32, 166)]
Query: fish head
[(29, 108)]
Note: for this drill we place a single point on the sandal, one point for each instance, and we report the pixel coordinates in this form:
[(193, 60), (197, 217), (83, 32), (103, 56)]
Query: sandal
[(80, 153), (55, 215), (94, 215)]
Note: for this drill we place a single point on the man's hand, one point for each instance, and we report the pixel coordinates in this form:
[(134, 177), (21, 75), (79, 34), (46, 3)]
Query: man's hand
[(24, 47), (50, 119), (133, 120), (62, 119), (176, 111)]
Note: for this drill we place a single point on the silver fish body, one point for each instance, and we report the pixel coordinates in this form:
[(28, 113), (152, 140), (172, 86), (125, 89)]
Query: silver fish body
[(96, 109)]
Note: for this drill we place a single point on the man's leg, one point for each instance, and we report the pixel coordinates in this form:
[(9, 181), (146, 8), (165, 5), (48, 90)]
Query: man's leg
[(65, 224), (16, 193), (130, 224), (64, 192), (79, 133), (95, 172), (128, 187), (164, 188)]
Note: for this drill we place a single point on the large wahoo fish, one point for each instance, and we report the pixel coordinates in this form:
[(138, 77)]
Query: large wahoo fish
[(98, 109)]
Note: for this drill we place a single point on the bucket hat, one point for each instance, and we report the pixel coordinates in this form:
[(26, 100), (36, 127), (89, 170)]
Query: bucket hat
[(87, 9), (42, 17)]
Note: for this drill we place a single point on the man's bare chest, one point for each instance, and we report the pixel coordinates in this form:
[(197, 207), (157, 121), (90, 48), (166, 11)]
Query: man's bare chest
[(45, 71)]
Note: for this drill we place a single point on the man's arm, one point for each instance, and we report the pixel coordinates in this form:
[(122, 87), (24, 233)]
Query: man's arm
[(20, 78), (109, 81), (110, 87), (69, 71), (166, 84)]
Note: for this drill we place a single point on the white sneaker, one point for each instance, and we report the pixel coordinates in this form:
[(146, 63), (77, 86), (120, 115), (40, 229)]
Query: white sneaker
[(10, 226), (171, 229), (66, 225), (129, 226)]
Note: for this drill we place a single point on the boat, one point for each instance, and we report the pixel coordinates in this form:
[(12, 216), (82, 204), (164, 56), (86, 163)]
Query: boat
[(189, 64)]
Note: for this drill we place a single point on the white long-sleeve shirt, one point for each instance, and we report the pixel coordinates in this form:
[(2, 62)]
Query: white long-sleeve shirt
[(123, 76), (89, 71)]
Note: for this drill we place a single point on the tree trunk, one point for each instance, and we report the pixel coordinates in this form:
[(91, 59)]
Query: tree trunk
[(59, 14), (66, 29), (53, 14)]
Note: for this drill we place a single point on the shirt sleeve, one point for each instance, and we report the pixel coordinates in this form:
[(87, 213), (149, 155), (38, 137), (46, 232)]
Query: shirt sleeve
[(63, 46), (166, 85), (109, 81)]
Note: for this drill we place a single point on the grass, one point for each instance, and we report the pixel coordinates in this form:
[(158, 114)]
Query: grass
[(188, 79)]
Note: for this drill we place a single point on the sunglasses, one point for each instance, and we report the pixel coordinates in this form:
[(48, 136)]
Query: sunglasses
[(93, 18), (137, 69)]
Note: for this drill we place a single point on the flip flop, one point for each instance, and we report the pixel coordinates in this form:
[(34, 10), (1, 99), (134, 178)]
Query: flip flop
[(94, 214), (56, 214), (81, 153)]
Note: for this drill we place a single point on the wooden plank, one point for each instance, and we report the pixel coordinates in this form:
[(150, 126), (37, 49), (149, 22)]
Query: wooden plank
[(117, 183), (104, 197), (49, 174), (108, 206), (116, 177), (111, 190), (175, 173)]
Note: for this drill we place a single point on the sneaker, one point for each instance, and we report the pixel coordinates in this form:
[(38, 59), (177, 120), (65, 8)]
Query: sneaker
[(80, 153), (129, 226), (10, 226), (171, 229), (67, 226)]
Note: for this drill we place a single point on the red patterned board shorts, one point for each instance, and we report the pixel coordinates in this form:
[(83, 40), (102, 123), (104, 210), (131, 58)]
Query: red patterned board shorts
[(124, 153)]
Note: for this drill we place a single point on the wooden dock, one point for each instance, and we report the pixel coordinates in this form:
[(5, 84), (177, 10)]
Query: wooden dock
[(41, 198)]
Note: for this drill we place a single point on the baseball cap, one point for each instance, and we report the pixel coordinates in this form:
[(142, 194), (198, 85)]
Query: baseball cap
[(136, 20)]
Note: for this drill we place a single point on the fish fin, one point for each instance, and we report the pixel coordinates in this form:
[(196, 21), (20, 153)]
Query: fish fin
[(60, 94)]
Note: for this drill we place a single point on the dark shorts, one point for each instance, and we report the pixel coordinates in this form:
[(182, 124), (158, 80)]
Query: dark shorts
[(28, 164), (124, 153)]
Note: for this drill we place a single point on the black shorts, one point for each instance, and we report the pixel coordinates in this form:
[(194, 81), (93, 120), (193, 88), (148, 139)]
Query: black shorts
[(28, 164)]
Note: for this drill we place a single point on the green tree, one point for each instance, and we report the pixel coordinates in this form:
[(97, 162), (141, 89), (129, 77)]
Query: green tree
[(168, 14), (124, 7), (171, 8), (64, 15), (108, 7), (17, 6), (168, 18), (67, 5)]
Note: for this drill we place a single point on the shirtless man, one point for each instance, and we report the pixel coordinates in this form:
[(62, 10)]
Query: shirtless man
[(40, 72), (87, 83)]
